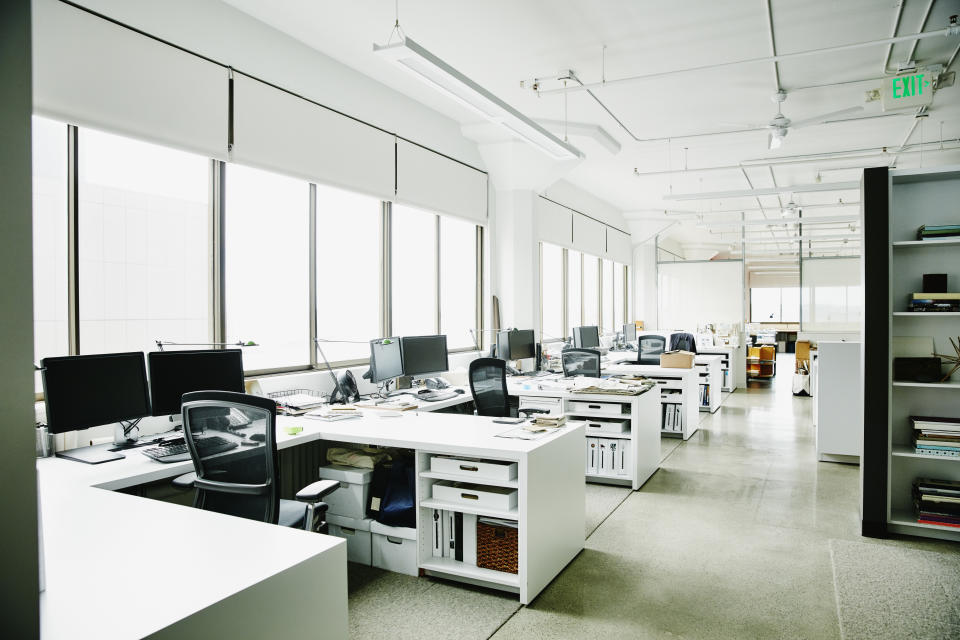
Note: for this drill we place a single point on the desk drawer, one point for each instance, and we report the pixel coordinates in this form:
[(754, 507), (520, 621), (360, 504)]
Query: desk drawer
[(600, 409), (477, 470), (607, 425), (552, 405), (475, 495)]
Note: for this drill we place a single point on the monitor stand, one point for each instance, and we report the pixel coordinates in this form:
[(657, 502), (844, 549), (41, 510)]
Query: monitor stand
[(91, 455)]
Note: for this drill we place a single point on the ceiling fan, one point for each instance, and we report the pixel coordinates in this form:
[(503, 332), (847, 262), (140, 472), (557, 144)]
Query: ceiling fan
[(780, 125)]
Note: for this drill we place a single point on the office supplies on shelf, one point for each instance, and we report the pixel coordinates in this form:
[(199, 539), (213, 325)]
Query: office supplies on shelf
[(497, 544), (934, 231), (176, 451), (937, 502)]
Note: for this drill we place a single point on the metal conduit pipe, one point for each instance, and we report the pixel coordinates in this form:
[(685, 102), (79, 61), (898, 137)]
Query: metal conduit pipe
[(923, 25), (893, 33)]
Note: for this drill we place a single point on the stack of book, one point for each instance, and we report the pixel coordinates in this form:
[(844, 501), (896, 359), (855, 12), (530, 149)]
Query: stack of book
[(927, 302), (550, 421), (936, 436), (937, 502), (931, 231)]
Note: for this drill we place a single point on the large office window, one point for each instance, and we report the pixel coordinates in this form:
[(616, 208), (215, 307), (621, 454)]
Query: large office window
[(619, 295), (414, 269), (144, 244), (574, 290), (267, 255), (591, 290), (609, 320), (49, 239), (348, 273), (551, 292), (458, 282), (775, 304)]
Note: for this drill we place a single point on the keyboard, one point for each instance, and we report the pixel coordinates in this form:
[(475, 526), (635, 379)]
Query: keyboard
[(176, 451), (436, 396)]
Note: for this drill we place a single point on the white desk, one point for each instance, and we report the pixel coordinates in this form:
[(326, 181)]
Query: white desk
[(733, 366), (838, 401), (711, 377), (550, 510), (677, 387)]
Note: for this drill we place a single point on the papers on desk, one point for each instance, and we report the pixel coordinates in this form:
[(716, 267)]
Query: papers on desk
[(387, 405), (612, 386), (549, 421), (330, 414), (530, 432)]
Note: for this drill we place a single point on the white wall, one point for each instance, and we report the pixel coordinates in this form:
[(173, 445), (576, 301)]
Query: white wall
[(645, 284), (576, 198), (692, 294)]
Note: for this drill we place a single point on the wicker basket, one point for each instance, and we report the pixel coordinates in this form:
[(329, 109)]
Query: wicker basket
[(497, 547)]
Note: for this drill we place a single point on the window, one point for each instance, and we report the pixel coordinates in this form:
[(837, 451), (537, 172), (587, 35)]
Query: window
[(574, 290), (591, 293), (618, 296), (348, 273), (551, 292), (267, 255), (458, 282), (414, 270), (775, 304), (609, 319), (143, 245), (50, 315)]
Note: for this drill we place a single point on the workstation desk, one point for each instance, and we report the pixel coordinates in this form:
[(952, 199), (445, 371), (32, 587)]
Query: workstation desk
[(122, 566), (679, 393)]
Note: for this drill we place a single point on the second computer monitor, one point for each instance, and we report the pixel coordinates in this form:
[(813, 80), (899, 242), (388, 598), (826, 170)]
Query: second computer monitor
[(424, 355), (586, 337), (386, 359), (174, 373), (630, 332), (517, 344)]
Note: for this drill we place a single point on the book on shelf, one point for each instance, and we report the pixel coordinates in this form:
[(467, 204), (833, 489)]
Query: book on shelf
[(930, 423), (928, 231), (937, 502)]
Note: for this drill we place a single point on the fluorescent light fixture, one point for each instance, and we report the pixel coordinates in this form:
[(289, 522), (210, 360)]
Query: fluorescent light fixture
[(772, 191), (781, 222), (428, 68)]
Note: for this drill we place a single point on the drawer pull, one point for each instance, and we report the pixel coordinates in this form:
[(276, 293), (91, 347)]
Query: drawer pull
[(469, 496), (594, 406), (594, 425), (465, 467), (394, 540)]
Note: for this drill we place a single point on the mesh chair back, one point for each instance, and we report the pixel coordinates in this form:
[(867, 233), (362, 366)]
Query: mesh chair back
[(488, 384), (649, 348), (581, 362), (684, 342), (242, 481)]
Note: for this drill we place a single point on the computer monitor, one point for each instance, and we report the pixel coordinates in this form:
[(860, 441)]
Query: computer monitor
[(586, 337), (424, 355), (517, 344), (174, 373), (386, 359), (629, 332), (88, 391)]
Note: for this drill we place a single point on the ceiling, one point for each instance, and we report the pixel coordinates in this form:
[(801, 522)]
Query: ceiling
[(504, 44)]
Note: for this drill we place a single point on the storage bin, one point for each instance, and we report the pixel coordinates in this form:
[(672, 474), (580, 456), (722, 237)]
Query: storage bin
[(479, 469), (350, 499), (394, 548), (475, 495), (607, 425), (497, 545), (356, 533), (610, 409)]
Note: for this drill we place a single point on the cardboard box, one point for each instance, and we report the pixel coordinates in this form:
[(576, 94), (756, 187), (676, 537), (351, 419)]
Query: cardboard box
[(803, 355), (677, 359)]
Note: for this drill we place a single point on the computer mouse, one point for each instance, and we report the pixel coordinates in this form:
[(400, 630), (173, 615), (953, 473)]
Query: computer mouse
[(258, 437), (459, 391)]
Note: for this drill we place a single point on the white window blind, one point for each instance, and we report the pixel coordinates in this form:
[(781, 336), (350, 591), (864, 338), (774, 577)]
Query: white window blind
[(831, 294), (554, 223), (278, 131), (589, 236), (619, 246), (434, 182), (696, 293), (89, 71)]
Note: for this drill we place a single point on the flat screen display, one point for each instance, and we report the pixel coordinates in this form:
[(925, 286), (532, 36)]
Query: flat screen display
[(386, 359), (586, 337), (516, 345), (629, 332), (424, 354), (174, 373)]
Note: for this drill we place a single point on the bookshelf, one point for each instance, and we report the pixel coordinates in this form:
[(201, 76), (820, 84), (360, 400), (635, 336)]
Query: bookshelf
[(895, 204)]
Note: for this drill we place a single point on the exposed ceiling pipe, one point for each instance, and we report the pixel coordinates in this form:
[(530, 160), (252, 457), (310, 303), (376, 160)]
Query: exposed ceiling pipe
[(746, 193), (893, 33), (923, 25), (784, 221), (921, 113), (773, 47), (830, 205), (765, 59)]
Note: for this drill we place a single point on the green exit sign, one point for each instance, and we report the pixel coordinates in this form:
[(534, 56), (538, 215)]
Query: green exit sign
[(911, 90)]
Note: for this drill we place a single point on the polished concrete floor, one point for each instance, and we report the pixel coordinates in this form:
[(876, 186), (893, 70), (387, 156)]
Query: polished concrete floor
[(729, 539)]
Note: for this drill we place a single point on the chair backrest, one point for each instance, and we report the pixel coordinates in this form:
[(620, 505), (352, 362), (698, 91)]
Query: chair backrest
[(649, 348), (581, 362), (684, 342), (242, 481), (488, 384)]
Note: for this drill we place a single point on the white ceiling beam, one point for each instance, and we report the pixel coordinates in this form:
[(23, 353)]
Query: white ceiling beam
[(766, 191)]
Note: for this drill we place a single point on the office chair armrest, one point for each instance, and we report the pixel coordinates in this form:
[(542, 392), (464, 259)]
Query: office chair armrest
[(529, 411), (185, 481), (317, 490)]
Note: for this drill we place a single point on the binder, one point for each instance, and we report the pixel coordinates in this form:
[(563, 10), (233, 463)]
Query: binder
[(437, 525), (470, 539), (604, 446), (622, 458), (593, 451), (450, 533), (458, 536)]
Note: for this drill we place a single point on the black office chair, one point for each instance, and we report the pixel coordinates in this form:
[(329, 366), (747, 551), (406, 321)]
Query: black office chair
[(488, 385), (684, 342), (244, 481), (581, 362), (649, 348)]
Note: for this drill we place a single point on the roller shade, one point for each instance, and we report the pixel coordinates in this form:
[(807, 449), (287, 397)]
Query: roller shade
[(91, 72), (619, 247), (434, 182), (554, 223), (692, 294), (278, 131), (589, 236)]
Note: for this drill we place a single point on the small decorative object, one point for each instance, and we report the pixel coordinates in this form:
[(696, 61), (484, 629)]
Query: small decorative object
[(934, 283), (954, 359)]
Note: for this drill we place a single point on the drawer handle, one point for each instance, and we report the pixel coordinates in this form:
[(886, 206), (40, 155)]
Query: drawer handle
[(348, 531), (594, 425), (469, 496), (394, 540), (594, 406), (465, 467)]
